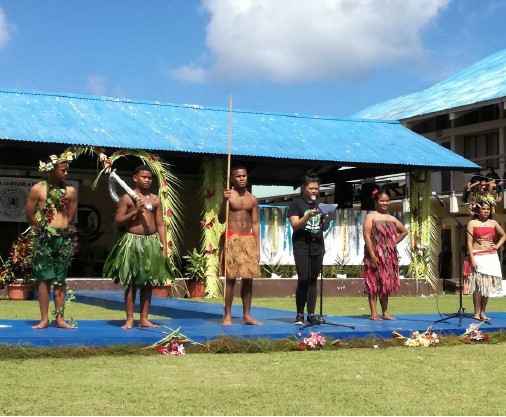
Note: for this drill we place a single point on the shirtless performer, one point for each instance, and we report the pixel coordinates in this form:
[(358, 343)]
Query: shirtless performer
[(50, 210), (143, 219), (243, 244)]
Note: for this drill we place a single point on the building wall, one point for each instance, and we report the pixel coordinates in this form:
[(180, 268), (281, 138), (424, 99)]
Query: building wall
[(455, 133)]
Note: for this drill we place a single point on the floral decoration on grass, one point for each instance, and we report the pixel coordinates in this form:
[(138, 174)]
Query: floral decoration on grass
[(337, 343), (425, 339), (314, 341), (472, 334), (173, 344)]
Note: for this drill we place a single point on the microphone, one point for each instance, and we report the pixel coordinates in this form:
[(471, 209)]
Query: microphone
[(434, 194)]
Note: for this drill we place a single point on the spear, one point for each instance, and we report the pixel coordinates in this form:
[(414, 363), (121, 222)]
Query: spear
[(229, 157)]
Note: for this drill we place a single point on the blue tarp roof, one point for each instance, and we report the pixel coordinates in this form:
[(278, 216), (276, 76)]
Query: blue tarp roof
[(483, 81), (119, 123)]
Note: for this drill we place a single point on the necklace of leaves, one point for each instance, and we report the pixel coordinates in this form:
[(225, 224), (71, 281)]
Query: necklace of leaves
[(56, 200)]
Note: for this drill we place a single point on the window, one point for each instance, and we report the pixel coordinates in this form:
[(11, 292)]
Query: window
[(446, 176), (479, 147)]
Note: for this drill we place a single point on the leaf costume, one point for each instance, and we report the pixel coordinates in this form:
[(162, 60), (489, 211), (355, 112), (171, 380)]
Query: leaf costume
[(137, 259), (52, 248)]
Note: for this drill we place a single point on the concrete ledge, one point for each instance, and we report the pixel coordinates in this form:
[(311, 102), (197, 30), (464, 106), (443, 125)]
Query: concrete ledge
[(282, 287), (333, 287)]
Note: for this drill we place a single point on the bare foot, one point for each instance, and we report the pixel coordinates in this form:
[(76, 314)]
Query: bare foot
[(387, 316), (128, 324), (147, 323), (42, 325), (375, 318), (251, 321), (64, 325), (484, 317), (227, 321), (477, 317)]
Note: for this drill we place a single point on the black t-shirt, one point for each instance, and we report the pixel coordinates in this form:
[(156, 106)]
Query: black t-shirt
[(305, 241)]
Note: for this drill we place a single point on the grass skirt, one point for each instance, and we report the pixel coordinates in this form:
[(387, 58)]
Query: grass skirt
[(138, 259), (487, 279), (242, 257)]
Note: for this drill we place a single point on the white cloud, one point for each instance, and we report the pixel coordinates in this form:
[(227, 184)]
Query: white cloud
[(5, 29), (96, 85), (189, 73), (309, 40)]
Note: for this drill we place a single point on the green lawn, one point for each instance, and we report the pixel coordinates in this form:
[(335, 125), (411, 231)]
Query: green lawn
[(353, 306), (449, 379)]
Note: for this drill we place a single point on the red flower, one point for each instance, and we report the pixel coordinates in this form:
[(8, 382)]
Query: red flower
[(153, 158), (169, 213), (165, 182), (209, 224), (210, 250), (210, 193), (485, 337), (466, 340), (163, 350), (170, 244), (302, 346)]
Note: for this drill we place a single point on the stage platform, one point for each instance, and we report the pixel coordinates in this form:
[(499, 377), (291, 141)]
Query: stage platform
[(201, 321)]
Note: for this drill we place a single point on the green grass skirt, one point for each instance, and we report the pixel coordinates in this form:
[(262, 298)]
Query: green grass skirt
[(138, 259)]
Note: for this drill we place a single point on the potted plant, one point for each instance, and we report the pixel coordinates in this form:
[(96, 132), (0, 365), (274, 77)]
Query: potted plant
[(17, 271), (164, 290), (195, 272)]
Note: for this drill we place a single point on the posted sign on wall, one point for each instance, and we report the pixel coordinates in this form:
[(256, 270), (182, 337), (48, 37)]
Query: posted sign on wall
[(13, 195)]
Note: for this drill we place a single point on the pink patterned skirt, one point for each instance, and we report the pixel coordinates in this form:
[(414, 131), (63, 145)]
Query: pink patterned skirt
[(384, 279)]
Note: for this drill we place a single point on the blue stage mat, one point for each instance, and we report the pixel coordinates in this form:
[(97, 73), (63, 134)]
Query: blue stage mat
[(201, 321)]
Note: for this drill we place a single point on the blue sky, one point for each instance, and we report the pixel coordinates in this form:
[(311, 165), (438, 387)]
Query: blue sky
[(316, 57)]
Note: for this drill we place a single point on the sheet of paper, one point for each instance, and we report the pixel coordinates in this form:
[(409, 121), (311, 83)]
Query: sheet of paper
[(327, 208)]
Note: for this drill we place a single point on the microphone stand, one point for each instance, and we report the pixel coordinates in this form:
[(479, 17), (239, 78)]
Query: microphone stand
[(461, 311), (321, 318)]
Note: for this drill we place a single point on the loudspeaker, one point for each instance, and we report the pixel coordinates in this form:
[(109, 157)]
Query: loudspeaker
[(366, 201), (343, 194)]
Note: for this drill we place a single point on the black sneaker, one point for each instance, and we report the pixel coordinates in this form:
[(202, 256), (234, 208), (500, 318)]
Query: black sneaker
[(299, 320), (312, 319)]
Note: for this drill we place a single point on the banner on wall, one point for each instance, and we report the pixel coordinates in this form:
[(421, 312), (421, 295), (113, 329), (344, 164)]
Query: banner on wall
[(344, 241), (13, 194)]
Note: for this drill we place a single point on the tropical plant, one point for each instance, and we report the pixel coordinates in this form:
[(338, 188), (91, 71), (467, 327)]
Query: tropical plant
[(196, 266), (211, 193), (422, 229), (17, 268)]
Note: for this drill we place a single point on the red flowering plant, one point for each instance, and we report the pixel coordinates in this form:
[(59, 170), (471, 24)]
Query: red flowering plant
[(17, 268)]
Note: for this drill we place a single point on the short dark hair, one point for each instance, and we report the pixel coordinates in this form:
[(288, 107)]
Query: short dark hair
[(237, 167), (142, 168), (309, 177)]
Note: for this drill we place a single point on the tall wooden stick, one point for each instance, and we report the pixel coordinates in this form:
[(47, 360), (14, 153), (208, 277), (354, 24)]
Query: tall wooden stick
[(229, 157)]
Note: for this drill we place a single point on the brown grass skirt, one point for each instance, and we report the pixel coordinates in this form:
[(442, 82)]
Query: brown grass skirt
[(242, 257)]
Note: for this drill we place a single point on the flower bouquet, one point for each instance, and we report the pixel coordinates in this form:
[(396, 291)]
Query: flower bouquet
[(425, 339), (173, 344), (313, 342), (472, 334)]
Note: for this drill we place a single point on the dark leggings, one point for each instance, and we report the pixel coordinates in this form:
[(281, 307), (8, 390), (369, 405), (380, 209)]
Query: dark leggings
[(308, 268)]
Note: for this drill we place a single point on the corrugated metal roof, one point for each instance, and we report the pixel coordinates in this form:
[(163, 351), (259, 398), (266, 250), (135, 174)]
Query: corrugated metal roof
[(100, 121), (483, 81)]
